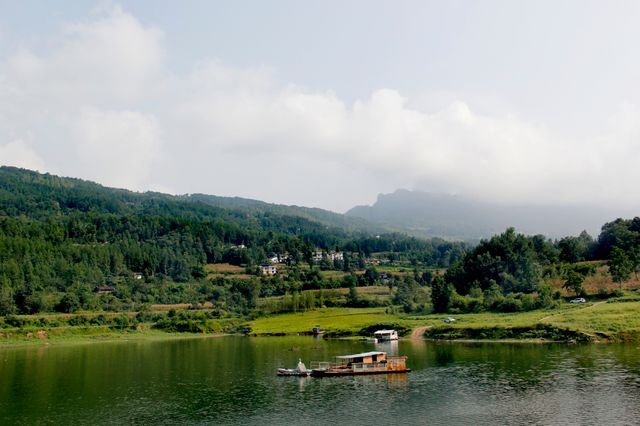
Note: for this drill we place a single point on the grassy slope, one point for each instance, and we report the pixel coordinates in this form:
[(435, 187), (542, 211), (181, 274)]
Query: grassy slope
[(330, 319), (599, 321)]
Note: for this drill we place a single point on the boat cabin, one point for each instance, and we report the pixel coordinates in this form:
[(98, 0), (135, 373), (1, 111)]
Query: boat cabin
[(364, 358), (362, 363), (383, 335)]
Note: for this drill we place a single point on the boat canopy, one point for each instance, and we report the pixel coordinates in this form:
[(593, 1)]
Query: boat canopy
[(362, 355), (384, 332)]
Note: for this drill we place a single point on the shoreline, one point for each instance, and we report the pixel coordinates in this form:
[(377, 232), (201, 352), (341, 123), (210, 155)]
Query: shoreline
[(128, 336), (599, 323)]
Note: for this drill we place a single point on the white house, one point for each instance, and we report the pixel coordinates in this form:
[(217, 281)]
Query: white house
[(268, 269), (336, 255)]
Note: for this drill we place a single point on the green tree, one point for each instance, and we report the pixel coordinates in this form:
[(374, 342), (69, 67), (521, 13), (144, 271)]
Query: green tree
[(440, 294), (575, 249), (407, 294), (508, 259), (574, 282), (7, 305), (620, 266), (634, 257), (353, 299), (493, 296), (69, 303), (371, 275)]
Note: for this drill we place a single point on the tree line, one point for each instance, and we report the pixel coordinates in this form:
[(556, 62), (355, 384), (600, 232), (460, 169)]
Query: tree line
[(63, 239)]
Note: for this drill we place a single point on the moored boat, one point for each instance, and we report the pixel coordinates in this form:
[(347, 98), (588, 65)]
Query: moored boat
[(362, 363), (386, 335)]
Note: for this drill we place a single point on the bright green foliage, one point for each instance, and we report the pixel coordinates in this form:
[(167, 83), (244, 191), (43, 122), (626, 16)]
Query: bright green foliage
[(621, 233), (408, 294), (620, 266), (511, 260), (574, 282)]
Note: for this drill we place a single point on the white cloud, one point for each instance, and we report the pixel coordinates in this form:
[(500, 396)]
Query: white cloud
[(117, 148), (19, 154), (113, 58), (101, 104), (79, 101)]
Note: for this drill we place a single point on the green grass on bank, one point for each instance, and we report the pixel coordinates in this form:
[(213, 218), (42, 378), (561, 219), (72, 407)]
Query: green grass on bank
[(616, 320), (85, 335), (333, 320), (595, 321)]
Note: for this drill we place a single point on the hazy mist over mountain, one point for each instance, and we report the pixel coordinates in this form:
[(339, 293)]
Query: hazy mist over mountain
[(452, 216), (327, 105)]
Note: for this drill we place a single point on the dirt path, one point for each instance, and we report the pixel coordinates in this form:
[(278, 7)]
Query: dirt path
[(418, 333), (582, 309)]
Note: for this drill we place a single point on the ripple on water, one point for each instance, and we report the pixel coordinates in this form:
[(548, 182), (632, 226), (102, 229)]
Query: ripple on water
[(232, 381)]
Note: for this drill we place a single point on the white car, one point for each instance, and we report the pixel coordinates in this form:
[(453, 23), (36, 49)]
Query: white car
[(578, 300)]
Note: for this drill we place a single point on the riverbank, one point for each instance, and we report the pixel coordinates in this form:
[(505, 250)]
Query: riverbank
[(616, 321), (90, 327), (613, 321), (93, 335)]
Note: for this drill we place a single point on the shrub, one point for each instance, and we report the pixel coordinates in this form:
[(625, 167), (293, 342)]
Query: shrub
[(509, 304), (14, 321), (78, 320)]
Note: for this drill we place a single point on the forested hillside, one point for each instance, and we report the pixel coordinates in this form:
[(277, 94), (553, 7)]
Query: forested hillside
[(68, 244), (63, 237), (321, 216)]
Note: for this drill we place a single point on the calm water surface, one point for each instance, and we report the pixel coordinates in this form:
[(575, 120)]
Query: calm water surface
[(231, 380)]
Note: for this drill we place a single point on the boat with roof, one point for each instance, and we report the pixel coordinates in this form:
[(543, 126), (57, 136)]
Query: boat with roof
[(362, 363)]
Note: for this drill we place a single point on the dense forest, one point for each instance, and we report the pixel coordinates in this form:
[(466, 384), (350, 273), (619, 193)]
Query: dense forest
[(508, 272), (62, 240), (68, 244)]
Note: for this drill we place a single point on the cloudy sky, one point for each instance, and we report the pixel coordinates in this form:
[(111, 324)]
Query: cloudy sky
[(328, 103)]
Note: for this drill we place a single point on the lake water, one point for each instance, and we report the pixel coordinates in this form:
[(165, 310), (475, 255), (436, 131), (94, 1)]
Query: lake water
[(231, 380)]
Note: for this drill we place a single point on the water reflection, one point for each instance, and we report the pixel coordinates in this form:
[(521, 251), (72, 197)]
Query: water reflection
[(232, 381), (388, 346)]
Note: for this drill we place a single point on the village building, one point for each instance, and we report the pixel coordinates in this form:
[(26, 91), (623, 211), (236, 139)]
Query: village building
[(268, 270), (337, 255), (104, 289), (279, 258), (333, 255)]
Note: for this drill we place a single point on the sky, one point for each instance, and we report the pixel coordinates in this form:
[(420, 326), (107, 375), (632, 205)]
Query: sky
[(327, 104)]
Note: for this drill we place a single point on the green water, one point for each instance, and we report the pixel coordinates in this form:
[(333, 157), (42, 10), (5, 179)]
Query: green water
[(231, 380)]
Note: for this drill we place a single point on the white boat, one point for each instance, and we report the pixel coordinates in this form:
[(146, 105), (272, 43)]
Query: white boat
[(300, 370), (386, 335)]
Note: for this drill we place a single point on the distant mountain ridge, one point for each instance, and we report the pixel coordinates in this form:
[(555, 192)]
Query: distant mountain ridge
[(324, 217), (23, 191), (451, 216)]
